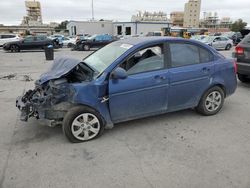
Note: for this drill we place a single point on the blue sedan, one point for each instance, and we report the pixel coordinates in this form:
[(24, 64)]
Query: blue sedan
[(129, 79)]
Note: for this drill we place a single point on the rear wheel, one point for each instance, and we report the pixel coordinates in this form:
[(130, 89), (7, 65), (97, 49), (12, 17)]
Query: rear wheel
[(82, 124), (14, 48), (243, 78), (211, 101), (228, 47)]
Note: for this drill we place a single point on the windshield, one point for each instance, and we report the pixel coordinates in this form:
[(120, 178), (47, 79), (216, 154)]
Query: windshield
[(104, 57), (208, 39), (91, 37)]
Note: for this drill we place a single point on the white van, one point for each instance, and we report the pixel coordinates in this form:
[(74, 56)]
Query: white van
[(4, 38)]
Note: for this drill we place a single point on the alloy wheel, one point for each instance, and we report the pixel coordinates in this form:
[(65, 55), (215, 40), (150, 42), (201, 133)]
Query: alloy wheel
[(85, 126), (213, 101)]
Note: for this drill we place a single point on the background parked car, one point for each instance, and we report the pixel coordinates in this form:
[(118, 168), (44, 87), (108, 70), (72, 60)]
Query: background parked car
[(242, 54), (28, 43), (95, 41), (58, 39), (5, 38), (198, 37), (235, 36), (69, 42), (218, 42)]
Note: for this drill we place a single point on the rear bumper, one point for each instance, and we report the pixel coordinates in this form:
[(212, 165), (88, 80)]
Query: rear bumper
[(243, 68)]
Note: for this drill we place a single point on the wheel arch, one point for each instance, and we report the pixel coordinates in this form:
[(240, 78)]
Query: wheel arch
[(211, 86), (102, 111)]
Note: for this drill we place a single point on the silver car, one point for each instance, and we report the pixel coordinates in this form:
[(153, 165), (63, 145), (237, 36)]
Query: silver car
[(219, 42)]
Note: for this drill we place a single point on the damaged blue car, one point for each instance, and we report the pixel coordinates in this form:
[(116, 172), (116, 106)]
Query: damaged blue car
[(126, 80)]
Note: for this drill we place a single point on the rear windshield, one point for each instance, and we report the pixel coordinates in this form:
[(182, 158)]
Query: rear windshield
[(246, 40)]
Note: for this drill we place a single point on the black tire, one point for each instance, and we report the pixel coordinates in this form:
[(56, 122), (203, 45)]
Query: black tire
[(14, 48), (86, 47), (69, 45), (243, 78), (72, 115), (228, 47), (203, 108)]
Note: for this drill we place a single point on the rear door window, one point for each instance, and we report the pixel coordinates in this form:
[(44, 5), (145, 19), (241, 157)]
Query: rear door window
[(205, 56), (184, 54)]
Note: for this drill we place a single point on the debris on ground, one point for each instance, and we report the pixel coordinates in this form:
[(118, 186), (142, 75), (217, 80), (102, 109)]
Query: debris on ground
[(14, 76), (26, 78), (8, 77)]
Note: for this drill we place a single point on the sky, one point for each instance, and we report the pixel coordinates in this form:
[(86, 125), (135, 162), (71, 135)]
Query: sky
[(12, 11)]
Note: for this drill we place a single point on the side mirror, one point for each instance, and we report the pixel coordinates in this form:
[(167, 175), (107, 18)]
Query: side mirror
[(119, 73)]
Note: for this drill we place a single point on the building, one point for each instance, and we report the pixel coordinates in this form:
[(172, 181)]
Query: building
[(213, 23), (149, 17), (192, 13), (90, 27), (19, 29), (116, 28), (34, 14), (32, 22), (139, 28), (177, 18)]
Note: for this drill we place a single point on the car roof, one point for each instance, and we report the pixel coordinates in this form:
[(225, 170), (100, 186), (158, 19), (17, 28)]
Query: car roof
[(139, 40), (154, 39)]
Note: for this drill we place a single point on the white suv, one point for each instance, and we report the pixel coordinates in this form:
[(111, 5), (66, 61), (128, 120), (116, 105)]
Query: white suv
[(4, 38)]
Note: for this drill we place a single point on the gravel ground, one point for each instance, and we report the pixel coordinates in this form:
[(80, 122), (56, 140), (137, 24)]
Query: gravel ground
[(181, 149)]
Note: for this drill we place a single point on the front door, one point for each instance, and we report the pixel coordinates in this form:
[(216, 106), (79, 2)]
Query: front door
[(190, 73), (144, 91), (28, 43)]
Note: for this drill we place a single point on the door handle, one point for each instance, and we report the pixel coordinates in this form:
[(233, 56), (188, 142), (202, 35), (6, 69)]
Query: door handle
[(205, 69), (158, 77), (163, 77)]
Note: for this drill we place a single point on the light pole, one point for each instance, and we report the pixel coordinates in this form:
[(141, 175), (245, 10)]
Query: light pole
[(92, 10)]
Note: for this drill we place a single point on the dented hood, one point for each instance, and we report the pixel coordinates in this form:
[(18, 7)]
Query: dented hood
[(60, 67)]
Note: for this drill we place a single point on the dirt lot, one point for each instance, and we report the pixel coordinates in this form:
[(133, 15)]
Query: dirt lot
[(181, 149)]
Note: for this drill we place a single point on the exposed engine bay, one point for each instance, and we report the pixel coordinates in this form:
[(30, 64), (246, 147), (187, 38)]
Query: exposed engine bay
[(53, 92)]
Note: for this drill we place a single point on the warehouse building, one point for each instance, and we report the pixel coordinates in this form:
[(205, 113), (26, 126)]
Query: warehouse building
[(90, 27), (116, 28)]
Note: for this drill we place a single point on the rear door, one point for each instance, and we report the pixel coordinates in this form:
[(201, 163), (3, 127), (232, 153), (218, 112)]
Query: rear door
[(190, 73), (144, 91), (224, 42)]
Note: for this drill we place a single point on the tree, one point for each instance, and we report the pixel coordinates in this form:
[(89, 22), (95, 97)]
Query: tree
[(62, 26), (238, 25)]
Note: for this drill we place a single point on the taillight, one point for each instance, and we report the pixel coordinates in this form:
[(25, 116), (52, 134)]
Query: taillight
[(239, 50)]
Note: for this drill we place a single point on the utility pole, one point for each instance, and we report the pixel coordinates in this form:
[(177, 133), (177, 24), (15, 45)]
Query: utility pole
[(93, 10)]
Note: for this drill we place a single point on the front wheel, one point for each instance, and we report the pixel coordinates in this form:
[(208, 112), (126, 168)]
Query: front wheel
[(14, 48), (86, 47), (82, 124), (211, 101)]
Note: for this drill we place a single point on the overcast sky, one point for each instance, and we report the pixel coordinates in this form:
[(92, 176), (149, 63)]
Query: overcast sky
[(12, 11)]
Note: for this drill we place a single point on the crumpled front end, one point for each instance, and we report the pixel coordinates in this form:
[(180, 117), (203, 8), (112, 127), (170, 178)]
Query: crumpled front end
[(53, 94), (47, 101)]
